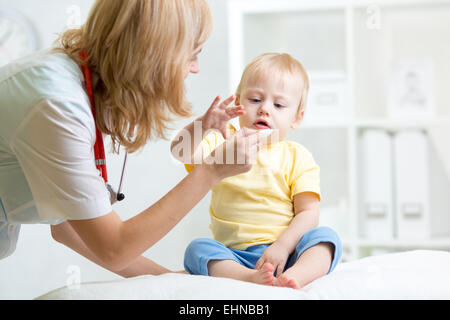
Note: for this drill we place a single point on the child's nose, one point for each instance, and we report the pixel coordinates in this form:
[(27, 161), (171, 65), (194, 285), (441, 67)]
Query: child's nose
[(263, 110)]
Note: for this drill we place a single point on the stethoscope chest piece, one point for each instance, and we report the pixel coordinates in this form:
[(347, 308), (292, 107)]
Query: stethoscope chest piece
[(114, 195)]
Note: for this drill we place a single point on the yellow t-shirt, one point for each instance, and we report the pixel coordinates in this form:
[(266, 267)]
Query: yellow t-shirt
[(256, 207)]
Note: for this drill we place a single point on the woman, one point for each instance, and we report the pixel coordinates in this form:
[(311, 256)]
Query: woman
[(121, 73)]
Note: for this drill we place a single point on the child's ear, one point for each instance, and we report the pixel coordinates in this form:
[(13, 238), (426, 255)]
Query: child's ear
[(237, 101), (296, 123)]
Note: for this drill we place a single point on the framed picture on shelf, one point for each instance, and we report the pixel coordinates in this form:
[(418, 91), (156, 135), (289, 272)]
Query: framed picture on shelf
[(411, 89), (327, 95)]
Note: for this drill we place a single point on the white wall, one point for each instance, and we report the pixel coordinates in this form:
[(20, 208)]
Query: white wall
[(39, 263)]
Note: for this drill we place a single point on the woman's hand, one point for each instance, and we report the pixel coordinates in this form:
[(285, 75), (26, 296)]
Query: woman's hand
[(219, 114), (236, 155), (277, 255)]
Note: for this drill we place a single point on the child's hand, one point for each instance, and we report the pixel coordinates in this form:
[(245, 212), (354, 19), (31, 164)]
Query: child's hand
[(218, 115), (275, 254)]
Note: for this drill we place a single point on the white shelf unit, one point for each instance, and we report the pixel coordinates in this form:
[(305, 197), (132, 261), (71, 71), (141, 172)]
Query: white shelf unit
[(358, 40)]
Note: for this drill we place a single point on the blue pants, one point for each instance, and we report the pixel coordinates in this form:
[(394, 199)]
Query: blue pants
[(201, 251)]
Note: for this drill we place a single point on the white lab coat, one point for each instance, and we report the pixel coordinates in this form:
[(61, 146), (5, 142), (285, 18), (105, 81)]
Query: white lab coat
[(47, 134)]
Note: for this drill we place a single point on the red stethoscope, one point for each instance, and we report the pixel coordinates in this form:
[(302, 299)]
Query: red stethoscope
[(99, 148)]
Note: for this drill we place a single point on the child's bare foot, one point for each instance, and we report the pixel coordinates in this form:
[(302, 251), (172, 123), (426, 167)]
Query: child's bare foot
[(264, 275), (285, 281)]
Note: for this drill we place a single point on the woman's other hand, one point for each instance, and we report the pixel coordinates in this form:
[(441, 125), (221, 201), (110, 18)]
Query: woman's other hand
[(236, 155)]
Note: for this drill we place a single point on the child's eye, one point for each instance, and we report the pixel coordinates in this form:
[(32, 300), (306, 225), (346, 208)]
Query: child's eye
[(277, 105), (254, 100)]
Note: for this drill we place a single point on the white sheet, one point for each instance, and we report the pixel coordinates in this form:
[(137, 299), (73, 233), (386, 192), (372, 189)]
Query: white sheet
[(421, 274)]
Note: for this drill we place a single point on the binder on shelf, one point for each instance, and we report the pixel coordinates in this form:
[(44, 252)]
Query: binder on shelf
[(377, 196), (411, 185)]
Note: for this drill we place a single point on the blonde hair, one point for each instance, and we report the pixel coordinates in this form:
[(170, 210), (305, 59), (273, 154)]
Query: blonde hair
[(275, 66), (138, 51)]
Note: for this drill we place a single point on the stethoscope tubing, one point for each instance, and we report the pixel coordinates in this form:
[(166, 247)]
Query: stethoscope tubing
[(99, 149), (120, 195)]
